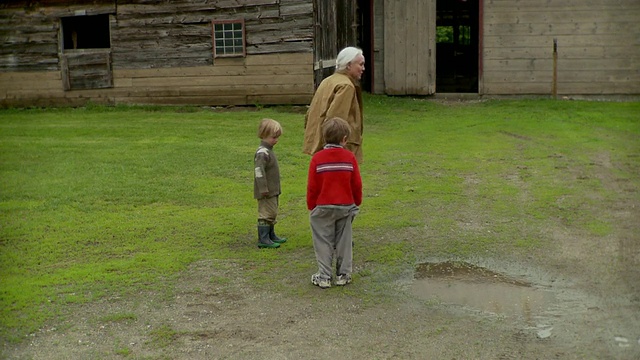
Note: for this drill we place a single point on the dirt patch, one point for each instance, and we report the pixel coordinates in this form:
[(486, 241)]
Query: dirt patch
[(206, 319)]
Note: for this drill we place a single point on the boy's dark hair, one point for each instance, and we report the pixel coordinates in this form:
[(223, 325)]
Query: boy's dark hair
[(334, 130)]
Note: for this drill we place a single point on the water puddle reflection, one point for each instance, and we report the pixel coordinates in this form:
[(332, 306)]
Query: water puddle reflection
[(479, 288)]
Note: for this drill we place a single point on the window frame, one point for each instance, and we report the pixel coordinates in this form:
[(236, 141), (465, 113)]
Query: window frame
[(69, 25), (80, 66), (213, 38)]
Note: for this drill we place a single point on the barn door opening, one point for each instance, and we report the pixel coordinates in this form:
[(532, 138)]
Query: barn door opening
[(457, 39), (365, 42)]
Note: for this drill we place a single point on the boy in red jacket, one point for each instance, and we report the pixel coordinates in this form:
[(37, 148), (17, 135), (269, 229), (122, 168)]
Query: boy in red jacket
[(334, 192)]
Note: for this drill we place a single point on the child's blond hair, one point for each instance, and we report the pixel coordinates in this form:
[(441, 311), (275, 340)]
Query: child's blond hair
[(269, 127), (334, 130)]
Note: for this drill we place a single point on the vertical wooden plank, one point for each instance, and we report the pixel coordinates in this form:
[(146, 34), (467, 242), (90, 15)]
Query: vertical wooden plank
[(354, 22), (378, 46), (389, 49), (426, 47), (431, 51), (422, 47), (412, 36), (401, 47), (330, 44), (109, 71), (64, 66), (64, 72), (395, 52)]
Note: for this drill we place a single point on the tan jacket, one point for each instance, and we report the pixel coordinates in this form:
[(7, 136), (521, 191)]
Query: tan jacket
[(337, 96)]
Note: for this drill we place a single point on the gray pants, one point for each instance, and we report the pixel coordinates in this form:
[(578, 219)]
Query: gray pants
[(331, 230)]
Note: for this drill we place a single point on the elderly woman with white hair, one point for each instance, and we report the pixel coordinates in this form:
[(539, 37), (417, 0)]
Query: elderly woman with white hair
[(339, 95)]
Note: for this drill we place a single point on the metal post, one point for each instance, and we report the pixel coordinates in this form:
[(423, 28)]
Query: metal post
[(554, 86)]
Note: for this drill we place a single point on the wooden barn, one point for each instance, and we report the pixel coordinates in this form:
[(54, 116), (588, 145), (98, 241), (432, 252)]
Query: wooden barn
[(246, 52), (204, 52), (506, 47)]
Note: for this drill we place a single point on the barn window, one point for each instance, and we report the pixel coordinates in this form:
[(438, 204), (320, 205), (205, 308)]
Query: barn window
[(228, 38), (86, 32), (85, 56)]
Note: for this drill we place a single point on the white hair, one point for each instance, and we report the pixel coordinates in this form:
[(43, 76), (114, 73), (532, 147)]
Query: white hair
[(345, 56)]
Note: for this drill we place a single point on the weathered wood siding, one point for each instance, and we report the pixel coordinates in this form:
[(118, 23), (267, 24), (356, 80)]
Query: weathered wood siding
[(151, 34), (256, 79), (30, 33), (161, 52), (336, 27), (598, 47)]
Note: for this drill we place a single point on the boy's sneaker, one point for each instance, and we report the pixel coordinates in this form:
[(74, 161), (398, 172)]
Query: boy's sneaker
[(318, 281), (342, 280)]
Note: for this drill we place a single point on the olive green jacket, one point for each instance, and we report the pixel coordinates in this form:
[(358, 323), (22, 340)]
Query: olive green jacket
[(266, 178)]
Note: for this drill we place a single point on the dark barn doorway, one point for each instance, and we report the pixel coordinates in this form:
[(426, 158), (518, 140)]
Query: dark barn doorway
[(365, 41), (457, 39)]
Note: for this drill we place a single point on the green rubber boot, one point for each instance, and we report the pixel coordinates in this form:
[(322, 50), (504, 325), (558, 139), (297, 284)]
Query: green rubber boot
[(275, 238), (263, 238)]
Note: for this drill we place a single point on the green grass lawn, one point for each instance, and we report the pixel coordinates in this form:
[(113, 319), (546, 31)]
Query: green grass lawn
[(99, 201)]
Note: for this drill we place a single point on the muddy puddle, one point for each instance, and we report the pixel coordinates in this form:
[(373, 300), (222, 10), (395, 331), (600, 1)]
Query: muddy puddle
[(479, 288)]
